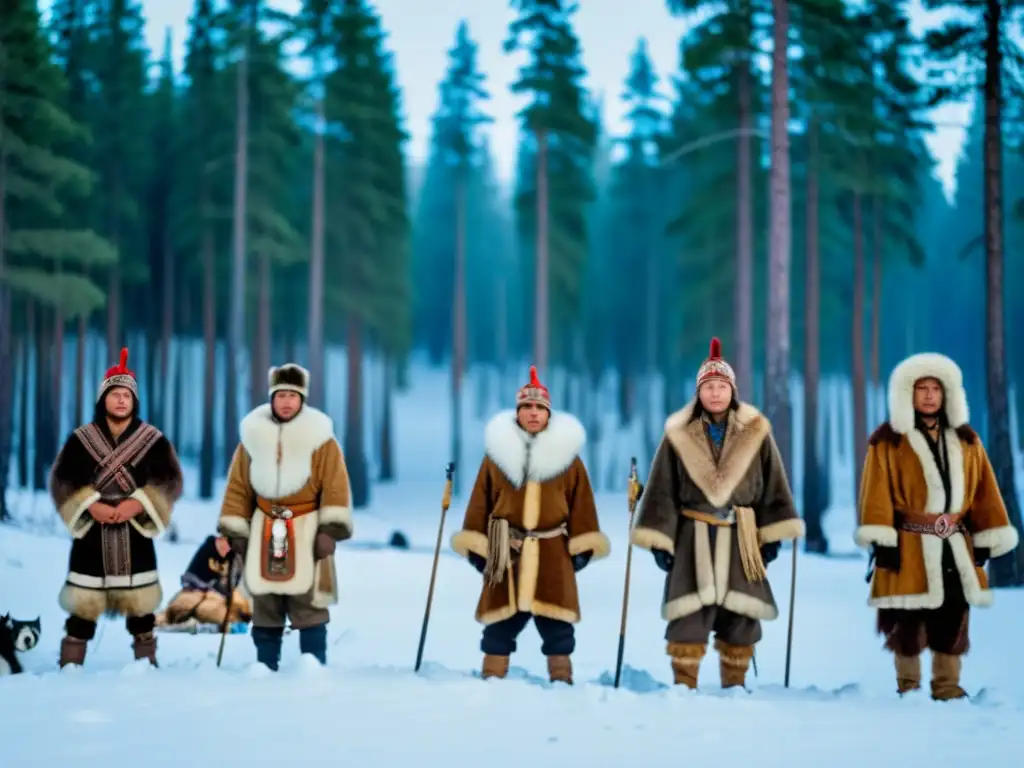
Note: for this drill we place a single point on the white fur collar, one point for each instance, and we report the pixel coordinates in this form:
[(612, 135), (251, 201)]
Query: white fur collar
[(299, 438), (550, 452), (901, 390)]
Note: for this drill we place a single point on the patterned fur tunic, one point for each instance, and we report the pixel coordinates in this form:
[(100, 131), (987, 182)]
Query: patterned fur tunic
[(113, 567), (295, 464), (538, 484), (686, 483), (901, 477)]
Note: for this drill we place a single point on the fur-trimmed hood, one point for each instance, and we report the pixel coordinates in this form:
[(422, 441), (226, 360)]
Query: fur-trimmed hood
[(926, 365), (548, 453)]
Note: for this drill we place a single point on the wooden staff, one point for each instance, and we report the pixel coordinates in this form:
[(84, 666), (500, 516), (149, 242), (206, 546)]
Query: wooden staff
[(234, 568), (792, 601), (446, 500), (632, 495)]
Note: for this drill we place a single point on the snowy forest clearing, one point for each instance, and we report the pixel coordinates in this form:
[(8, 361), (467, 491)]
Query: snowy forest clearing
[(368, 706)]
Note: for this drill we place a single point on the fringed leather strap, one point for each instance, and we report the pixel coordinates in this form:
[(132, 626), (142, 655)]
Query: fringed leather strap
[(750, 545), (498, 554)]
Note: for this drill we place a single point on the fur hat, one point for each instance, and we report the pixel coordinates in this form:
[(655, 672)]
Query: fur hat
[(926, 365), (288, 377), (534, 392), (715, 367), (119, 376)]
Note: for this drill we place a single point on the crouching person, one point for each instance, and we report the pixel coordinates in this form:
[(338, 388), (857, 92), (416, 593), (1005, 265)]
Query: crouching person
[(205, 588), (531, 525), (285, 506), (714, 510), (114, 484)]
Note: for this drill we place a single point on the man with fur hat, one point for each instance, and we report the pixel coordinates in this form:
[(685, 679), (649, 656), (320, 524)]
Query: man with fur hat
[(114, 483), (286, 504), (714, 511), (932, 514), (530, 526)]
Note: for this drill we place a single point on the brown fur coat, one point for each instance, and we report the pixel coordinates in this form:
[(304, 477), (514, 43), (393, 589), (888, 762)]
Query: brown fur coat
[(901, 475), (685, 476), (536, 484), (291, 463)]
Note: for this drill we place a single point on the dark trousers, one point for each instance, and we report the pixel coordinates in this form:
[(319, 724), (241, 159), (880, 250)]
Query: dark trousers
[(558, 638), (85, 629), (728, 626), (944, 629)]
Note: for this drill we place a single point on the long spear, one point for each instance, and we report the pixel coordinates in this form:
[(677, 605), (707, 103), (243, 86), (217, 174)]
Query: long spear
[(632, 495), (446, 500)]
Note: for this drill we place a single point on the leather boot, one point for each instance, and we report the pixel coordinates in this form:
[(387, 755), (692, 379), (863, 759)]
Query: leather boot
[(686, 658), (908, 673), (145, 647), (494, 666), (733, 663), (268, 642), (72, 651), (946, 677), (560, 669)]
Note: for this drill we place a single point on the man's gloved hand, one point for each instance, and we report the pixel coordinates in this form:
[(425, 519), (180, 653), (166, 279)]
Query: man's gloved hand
[(238, 546), (580, 561), (887, 558), (323, 546), (981, 556), (477, 562), (663, 559), (770, 551)]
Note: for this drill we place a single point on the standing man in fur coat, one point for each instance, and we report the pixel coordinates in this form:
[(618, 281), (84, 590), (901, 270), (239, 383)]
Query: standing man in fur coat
[(114, 483), (714, 511), (286, 505), (531, 525), (932, 514)]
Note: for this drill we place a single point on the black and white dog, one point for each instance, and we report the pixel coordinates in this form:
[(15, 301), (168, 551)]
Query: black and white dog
[(16, 637)]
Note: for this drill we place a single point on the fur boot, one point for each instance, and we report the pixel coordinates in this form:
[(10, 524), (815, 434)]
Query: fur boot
[(72, 651), (686, 658), (908, 673), (494, 666), (560, 669), (145, 647), (733, 663), (946, 677)]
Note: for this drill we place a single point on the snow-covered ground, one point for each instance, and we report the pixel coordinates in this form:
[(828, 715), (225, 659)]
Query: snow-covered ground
[(368, 707)]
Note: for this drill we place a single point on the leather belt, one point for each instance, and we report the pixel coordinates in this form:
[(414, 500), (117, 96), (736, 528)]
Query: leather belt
[(517, 536), (719, 517), (285, 511), (942, 526)]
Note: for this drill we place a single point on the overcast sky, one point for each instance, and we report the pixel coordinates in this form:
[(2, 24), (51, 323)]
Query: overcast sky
[(421, 34)]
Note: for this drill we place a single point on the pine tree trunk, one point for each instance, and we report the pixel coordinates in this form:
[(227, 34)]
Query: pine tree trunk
[(206, 449), (6, 361), (355, 452), (114, 281), (387, 448), (542, 266), (860, 418), (876, 291), (743, 299), (1008, 570), (812, 508), (315, 327), (27, 374), (778, 406), (261, 342), (43, 421), (58, 377), (236, 331), (458, 325), (81, 343), (167, 298)]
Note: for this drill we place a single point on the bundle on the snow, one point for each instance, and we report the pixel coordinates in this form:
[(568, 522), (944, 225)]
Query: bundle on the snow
[(193, 627), (205, 588)]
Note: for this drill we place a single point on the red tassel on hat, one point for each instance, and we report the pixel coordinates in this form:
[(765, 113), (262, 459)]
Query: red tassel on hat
[(534, 381), (715, 352), (534, 392), (121, 369)]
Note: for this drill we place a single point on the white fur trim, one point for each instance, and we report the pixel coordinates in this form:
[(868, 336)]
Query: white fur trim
[(998, 541), (551, 452), (234, 526), (336, 516), (304, 528), (150, 509), (882, 535), (299, 439), (901, 390), (78, 519)]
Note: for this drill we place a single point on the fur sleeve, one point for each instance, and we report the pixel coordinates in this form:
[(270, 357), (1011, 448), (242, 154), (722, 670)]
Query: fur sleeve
[(987, 518), (473, 536), (335, 496), (239, 499), (657, 516), (584, 530), (877, 516), (71, 486), (162, 489), (777, 518)]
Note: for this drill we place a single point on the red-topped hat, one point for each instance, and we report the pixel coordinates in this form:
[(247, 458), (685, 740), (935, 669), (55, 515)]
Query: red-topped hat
[(534, 392), (715, 367), (119, 376)]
